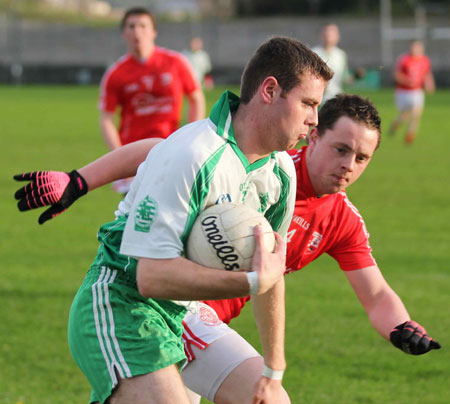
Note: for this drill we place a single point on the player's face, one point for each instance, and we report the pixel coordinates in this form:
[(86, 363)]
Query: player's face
[(293, 114), (330, 35), (417, 48), (337, 158), (139, 34)]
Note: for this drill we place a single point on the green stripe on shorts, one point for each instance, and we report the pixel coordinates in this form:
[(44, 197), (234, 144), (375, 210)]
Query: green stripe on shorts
[(114, 330)]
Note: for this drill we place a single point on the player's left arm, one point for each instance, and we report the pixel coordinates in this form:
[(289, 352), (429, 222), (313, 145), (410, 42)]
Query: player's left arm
[(387, 312), (197, 105), (269, 312), (428, 83), (269, 308)]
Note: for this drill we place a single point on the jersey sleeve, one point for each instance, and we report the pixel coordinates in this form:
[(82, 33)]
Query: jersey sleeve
[(162, 209), (185, 73), (400, 64), (109, 92), (352, 249)]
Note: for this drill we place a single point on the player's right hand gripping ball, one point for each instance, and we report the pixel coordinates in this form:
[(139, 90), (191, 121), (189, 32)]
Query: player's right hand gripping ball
[(55, 188), (412, 338)]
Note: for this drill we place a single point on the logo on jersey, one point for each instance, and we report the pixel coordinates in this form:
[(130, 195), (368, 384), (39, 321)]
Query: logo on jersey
[(148, 82), (131, 88), (314, 243), (166, 78), (224, 198), (301, 222), (244, 187), (145, 214), (263, 201)]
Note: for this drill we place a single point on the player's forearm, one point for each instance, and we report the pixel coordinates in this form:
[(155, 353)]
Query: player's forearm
[(119, 163), (387, 312), (181, 279), (109, 131), (197, 106), (429, 83), (402, 78), (269, 311)]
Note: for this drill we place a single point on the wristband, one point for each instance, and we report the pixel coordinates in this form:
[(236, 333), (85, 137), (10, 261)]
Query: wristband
[(253, 282), (272, 374)]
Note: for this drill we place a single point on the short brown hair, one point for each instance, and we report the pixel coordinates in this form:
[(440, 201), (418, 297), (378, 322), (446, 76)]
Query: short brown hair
[(137, 11), (284, 58), (353, 106)]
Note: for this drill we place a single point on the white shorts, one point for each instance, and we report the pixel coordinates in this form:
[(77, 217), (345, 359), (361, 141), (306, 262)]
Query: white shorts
[(213, 350), (409, 99)]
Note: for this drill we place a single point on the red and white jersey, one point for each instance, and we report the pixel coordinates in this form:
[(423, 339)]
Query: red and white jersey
[(149, 93), (330, 224), (415, 68)]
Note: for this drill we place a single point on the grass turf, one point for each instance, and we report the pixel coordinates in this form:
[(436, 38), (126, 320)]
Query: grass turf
[(334, 356)]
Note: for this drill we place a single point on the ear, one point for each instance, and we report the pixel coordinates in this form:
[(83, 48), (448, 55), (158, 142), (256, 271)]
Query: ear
[(270, 89), (313, 137)]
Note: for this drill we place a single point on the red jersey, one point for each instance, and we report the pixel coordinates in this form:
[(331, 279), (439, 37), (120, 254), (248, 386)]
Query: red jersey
[(329, 224), (149, 93), (415, 68)]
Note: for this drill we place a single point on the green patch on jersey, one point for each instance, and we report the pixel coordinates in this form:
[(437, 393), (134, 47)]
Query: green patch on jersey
[(145, 214), (263, 200)]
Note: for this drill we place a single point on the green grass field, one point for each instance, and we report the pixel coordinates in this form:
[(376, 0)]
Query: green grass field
[(334, 356)]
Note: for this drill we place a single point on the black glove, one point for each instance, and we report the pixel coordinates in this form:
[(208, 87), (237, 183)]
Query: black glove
[(55, 188), (412, 338)]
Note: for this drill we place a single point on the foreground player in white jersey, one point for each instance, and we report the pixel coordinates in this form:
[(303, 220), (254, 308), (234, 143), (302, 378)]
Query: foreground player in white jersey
[(125, 323), (324, 222)]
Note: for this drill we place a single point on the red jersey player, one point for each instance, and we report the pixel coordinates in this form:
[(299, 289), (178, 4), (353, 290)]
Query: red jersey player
[(412, 76), (325, 221), (148, 85), (327, 224)]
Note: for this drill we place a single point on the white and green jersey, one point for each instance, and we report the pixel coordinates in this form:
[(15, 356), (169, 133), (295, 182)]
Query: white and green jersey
[(336, 59), (197, 166)]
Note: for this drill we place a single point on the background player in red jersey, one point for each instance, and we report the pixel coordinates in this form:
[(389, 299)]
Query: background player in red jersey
[(148, 85), (412, 76), (325, 221)]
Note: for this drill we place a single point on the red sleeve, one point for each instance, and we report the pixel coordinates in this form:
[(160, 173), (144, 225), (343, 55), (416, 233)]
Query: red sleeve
[(352, 249), (186, 75), (109, 92), (227, 309), (401, 61)]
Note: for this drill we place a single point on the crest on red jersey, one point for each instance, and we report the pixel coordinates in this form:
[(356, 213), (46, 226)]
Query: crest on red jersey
[(314, 243)]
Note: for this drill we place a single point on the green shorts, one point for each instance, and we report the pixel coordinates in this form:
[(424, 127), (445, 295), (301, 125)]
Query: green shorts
[(114, 331)]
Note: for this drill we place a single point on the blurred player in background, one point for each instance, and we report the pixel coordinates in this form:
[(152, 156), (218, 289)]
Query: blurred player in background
[(325, 221), (125, 324), (200, 61), (148, 85), (412, 76), (335, 58)]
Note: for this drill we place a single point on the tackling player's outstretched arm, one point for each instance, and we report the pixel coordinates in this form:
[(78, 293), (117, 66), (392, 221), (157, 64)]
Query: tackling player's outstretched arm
[(59, 189), (387, 312)]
